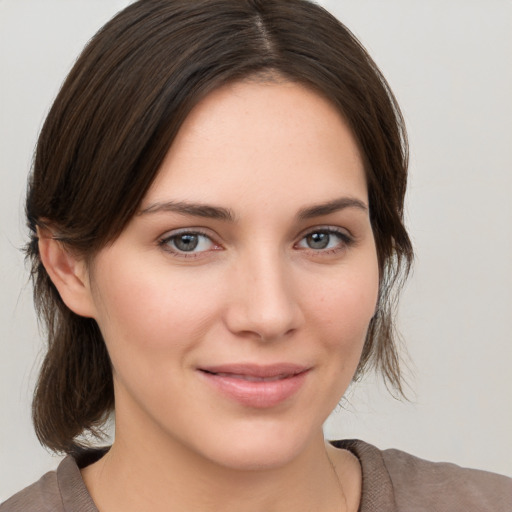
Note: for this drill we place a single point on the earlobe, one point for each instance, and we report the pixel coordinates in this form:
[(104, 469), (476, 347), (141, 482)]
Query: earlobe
[(68, 273)]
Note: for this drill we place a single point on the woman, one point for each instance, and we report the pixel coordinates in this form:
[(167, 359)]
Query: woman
[(216, 218)]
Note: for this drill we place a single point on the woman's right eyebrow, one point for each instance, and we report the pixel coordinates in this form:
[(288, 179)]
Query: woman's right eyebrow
[(187, 208)]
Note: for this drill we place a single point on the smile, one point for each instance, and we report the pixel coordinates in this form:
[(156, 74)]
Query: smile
[(256, 386)]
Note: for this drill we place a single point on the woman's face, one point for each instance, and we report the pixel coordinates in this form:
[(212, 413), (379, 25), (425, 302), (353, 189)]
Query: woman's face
[(236, 302)]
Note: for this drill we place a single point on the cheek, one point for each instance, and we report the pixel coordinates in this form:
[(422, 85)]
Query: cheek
[(152, 310), (346, 303), (340, 313)]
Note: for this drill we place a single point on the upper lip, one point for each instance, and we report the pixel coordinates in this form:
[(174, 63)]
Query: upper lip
[(257, 370)]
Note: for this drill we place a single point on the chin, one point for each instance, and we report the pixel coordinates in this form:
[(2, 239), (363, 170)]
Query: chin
[(255, 457), (259, 448)]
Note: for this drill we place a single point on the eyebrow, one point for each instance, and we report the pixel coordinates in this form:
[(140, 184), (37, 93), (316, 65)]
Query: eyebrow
[(225, 214), (331, 207), (194, 209)]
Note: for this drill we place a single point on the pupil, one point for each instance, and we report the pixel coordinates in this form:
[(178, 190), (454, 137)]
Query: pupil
[(318, 240), (186, 242)]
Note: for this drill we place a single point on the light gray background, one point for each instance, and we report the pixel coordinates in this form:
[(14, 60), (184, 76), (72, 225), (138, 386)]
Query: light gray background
[(450, 65)]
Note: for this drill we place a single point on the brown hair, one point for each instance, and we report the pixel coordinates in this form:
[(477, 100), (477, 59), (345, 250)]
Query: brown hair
[(112, 123)]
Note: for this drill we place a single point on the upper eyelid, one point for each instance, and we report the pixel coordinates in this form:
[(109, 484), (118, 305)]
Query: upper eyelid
[(166, 237), (329, 228), (182, 231)]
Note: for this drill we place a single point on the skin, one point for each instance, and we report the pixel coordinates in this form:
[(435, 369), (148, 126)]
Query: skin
[(254, 290)]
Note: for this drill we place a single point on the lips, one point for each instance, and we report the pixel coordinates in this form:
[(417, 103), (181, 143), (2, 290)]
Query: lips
[(256, 386), (253, 378)]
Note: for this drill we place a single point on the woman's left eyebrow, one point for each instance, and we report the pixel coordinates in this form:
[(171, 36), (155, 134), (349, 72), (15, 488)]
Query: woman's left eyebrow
[(335, 205)]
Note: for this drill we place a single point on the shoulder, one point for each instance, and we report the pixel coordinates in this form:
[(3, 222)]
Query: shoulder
[(41, 496), (441, 484), (414, 484), (62, 490)]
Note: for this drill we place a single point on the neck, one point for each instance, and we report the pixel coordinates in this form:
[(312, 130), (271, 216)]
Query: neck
[(134, 476)]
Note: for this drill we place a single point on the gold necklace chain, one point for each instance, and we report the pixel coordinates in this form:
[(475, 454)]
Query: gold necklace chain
[(340, 486)]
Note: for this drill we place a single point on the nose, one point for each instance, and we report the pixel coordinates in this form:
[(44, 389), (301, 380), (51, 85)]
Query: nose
[(263, 300)]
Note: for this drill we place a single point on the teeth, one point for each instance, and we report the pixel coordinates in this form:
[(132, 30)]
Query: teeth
[(252, 378)]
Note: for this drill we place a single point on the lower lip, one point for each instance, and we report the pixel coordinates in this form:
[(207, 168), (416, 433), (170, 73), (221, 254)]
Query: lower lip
[(260, 394)]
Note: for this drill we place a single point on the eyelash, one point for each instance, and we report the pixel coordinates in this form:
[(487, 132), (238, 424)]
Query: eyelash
[(345, 241), (165, 242)]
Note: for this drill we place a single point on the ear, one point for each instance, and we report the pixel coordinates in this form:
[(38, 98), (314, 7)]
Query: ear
[(68, 273)]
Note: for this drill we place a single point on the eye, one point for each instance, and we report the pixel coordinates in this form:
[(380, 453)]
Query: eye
[(327, 239), (188, 242)]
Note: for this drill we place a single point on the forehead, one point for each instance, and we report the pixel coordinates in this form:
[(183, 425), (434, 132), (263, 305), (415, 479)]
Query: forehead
[(264, 141)]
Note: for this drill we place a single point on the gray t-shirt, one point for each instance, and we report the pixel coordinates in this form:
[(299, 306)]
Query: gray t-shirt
[(393, 481)]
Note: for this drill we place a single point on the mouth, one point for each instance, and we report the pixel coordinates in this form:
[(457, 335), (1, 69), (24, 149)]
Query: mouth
[(256, 386), (252, 378)]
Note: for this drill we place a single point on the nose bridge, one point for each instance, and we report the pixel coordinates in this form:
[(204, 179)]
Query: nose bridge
[(265, 303)]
